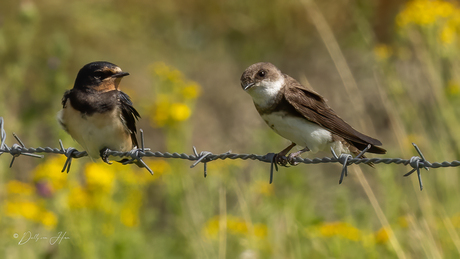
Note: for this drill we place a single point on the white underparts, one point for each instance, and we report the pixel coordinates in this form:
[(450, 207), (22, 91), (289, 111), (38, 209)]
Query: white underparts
[(303, 132), (95, 132)]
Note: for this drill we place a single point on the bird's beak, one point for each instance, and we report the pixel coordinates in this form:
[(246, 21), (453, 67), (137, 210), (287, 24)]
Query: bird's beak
[(246, 85), (121, 74)]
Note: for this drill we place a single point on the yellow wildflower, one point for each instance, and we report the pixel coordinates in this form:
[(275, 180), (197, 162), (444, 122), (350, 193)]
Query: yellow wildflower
[(211, 230), (442, 16), (425, 12), (447, 34), (50, 171), (260, 230), (99, 177), (159, 166), (382, 235), (17, 187), (174, 76), (191, 91), (235, 226), (30, 210), (11, 209), (340, 229), (139, 176), (166, 73), (180, 111), (79, 198), (27, 209), (49, 219), (175, 98), (129, 213)]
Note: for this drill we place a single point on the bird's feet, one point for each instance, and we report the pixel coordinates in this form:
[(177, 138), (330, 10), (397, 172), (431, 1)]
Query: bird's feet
[(291, 159), (281, 159), (292, 156), (105, 155)]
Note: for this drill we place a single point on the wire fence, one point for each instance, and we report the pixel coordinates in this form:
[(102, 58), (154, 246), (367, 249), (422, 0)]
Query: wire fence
[(137, 154)]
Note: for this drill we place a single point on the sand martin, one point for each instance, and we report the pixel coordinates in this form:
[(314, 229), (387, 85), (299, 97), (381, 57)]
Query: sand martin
[(97, 114), (301, 115)]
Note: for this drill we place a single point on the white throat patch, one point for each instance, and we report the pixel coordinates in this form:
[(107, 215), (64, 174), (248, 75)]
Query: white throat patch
[(263, 93)]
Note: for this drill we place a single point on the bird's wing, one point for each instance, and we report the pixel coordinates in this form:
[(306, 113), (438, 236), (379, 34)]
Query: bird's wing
[(129, 115), (313, 107)]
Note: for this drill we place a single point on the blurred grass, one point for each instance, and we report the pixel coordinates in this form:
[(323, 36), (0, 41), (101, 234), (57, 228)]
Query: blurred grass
[(395, 62)]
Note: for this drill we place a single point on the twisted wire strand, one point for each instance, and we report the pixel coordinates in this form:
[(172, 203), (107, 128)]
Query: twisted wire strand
[(416, 162)]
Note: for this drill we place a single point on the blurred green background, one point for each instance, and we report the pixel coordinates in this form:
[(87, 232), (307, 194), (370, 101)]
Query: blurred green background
[(390, 68)]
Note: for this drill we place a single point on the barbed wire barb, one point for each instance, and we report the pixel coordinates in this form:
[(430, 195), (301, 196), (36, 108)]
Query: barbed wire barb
[(360, 155), (272, 157), (69, 154), (415, 163), (136, 154), (201, 158), (344, 160), (15, 150)]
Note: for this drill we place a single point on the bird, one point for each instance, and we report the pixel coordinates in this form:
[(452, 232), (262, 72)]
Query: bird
[(97, 114), (301, 115)]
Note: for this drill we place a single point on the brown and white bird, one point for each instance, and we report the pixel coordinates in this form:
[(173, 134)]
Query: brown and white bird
[(301, 115), (97, 114)]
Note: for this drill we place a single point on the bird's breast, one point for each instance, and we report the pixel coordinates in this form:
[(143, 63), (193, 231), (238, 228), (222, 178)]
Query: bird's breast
[(299, 130), (97, 131)]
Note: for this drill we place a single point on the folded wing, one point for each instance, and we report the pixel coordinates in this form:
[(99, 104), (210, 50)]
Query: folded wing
[(314, 108), (129, 115)]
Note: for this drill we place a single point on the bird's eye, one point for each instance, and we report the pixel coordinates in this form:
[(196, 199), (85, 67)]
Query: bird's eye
[(261, 73), (101, 74)]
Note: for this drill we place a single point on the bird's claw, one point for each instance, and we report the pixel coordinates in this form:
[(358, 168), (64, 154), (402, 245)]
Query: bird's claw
[(291, 160), (105, 156), (281, 160)]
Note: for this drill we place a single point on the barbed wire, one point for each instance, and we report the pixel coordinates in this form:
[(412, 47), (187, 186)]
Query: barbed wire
[(416, 162)]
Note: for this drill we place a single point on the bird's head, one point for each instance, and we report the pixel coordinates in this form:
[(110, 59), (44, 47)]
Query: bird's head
[(100, 76), (263, 81)]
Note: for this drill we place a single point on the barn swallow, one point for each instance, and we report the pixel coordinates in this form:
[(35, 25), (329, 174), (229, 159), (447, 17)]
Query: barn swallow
[(301, 115), (97, 114)]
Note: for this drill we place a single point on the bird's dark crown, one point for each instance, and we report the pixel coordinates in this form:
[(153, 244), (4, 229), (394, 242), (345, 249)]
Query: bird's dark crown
[(93, 74)]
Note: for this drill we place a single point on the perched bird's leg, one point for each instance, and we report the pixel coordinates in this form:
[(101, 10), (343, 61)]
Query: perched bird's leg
[(292, 156), (280, 158), (104, 155)]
